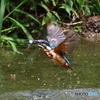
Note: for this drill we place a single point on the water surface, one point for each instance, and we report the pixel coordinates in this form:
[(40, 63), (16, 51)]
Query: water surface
[(37, 74)]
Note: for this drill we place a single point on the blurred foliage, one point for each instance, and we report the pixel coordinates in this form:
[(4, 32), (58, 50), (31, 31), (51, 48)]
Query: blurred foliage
[(24, 19)]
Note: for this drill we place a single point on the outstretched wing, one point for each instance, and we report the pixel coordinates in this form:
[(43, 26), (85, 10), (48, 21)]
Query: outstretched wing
[(68, 45), (55, 35)]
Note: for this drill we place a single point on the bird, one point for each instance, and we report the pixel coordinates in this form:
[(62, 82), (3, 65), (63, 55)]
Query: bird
[(58, 44)]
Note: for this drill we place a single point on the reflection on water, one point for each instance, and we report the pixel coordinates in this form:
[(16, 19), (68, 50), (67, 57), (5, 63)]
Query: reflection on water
[(34, 70)]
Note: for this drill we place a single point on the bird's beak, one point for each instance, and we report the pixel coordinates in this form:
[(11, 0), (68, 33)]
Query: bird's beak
[(32, 42)]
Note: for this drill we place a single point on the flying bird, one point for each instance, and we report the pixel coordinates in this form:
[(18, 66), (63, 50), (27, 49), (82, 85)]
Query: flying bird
[(58, 43)]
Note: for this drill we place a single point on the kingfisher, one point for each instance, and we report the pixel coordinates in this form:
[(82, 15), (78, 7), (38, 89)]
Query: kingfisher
[(58, 43)]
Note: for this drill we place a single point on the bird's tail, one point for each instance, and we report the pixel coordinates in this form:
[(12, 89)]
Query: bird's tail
[(66, 60)]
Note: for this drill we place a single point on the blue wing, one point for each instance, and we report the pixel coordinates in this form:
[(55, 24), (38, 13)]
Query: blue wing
[(59, 41), (55, 35)]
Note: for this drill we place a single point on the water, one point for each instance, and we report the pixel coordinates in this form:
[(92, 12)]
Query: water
[(47, 94), (33, 76)]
